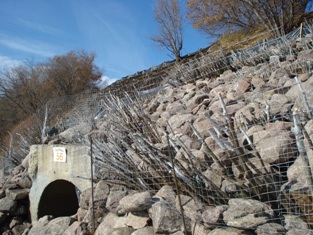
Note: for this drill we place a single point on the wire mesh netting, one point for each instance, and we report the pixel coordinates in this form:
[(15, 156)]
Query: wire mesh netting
[(214, 128)]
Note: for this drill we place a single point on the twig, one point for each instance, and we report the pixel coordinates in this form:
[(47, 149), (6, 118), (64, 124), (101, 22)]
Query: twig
[(304, 97), (302, 151), (177, 189)]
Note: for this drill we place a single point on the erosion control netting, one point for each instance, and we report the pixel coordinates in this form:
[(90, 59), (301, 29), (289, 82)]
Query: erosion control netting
[(214, 128), (266, 157), (214, 146)]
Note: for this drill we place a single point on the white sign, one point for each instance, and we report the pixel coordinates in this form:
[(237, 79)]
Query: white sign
[(59, 154)]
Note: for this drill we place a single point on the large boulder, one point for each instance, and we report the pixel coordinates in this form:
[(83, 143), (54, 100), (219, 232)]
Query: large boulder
[(165, 218), (192, 209), (137, 220), (109, 223), (213, 216), (134, 202), (75, 134), (114, 198), (56, 226), (101, 194), (84, 199), (247, 213), (275, 147)]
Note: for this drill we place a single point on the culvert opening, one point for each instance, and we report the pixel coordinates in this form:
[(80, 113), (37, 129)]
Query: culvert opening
[(58, 199)]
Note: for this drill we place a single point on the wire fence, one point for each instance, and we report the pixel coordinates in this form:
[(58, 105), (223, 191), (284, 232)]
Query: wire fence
[(214, 127)]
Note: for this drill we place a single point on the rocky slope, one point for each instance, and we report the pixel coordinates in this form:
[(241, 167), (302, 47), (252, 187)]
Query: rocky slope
[(241, 144)]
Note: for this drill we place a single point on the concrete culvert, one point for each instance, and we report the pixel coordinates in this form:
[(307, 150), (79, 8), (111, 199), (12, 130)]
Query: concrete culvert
[(58, 199)]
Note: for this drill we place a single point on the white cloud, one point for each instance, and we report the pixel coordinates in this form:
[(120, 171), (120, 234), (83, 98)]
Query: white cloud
[(104, 81), (40, 27), (7, 63), (31, 46)]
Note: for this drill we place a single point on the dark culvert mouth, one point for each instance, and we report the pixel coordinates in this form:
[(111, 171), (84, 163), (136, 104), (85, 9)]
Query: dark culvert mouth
[(58, 199)]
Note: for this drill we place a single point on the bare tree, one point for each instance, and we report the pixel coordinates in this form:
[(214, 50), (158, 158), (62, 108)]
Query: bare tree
[(168, 16), (217, 16), (73, 72), (25, 89)]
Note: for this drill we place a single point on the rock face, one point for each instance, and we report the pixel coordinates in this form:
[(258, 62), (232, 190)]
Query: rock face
[(238, 155)]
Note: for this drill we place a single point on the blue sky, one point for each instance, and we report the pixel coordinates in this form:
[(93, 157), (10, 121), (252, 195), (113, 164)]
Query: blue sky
[(117, 31)]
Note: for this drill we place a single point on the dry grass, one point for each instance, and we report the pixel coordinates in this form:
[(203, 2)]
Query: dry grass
[(240, 39)]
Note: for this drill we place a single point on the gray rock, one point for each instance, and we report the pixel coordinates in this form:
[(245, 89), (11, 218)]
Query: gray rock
[(122, 231), (81, 213), (42, 221), (246, 213), (294, 92), (8, 232), (33, 162), (77, 228), (75, 134), (275, 147), (199, 228), (167, 193), (109, 223), (24, 180), (134, 202), (213, 177), (20, 228), (270, 228), (295, 171), (113, 200), (196, 100), (277, 103), (213, 216), (136, 221), (295, 222), (84, 199), (17, 194), (101, 194), (192, 209), (144, 231), (229, 186), (7, 205), (177, 121), (304, 76), (165, 218), (56, 226), (230, 231), (299, 232), (240, 87), (14, 222), (305, 55), (274, 59), (202, 125), (17, 170)]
